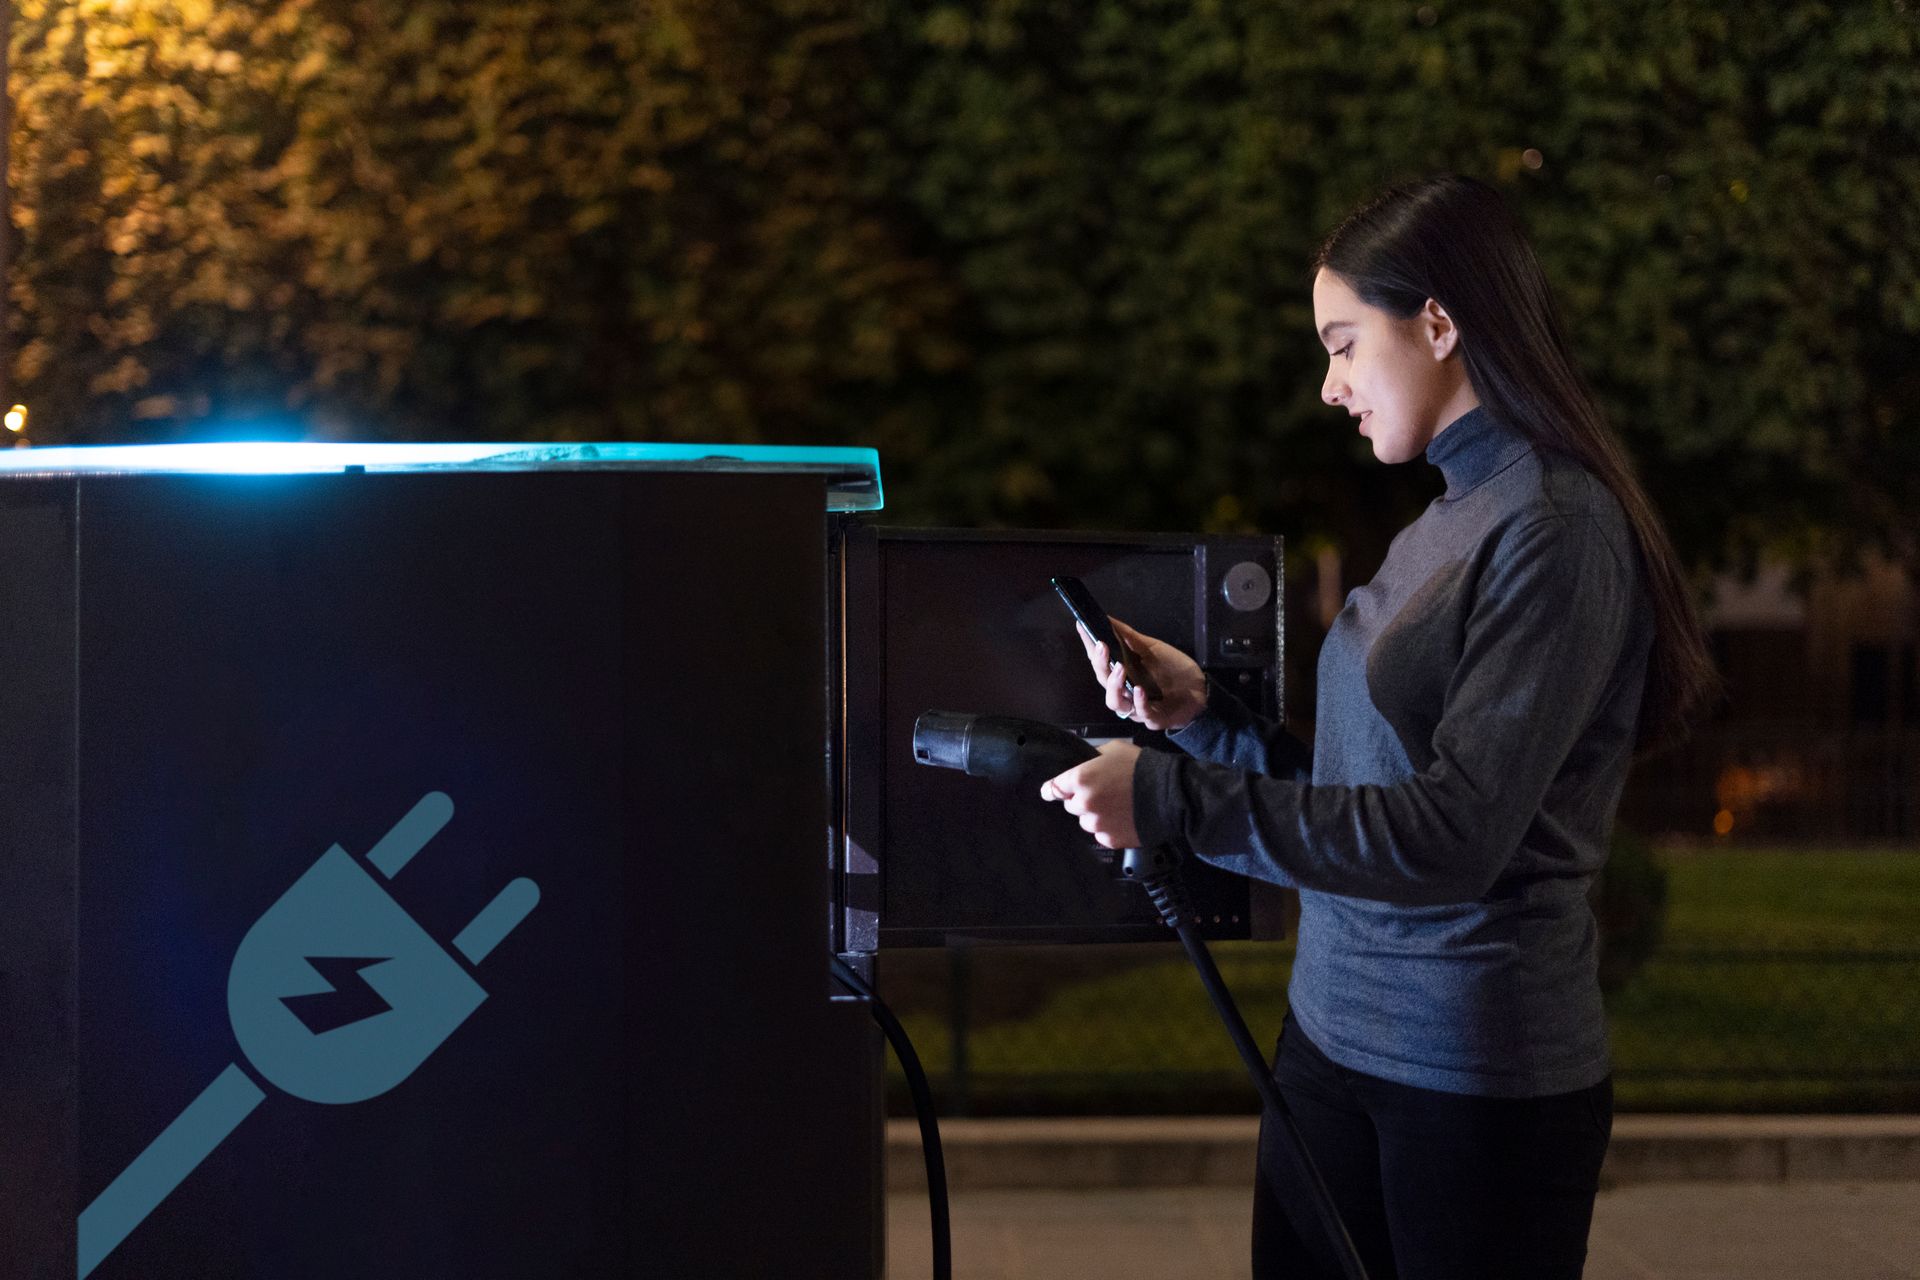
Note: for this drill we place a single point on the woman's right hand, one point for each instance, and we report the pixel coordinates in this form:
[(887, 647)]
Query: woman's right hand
[(1183, 685)]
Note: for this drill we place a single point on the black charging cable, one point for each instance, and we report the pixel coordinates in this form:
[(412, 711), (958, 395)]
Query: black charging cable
[(1158, 872), (1025, 753), (922, 1107)]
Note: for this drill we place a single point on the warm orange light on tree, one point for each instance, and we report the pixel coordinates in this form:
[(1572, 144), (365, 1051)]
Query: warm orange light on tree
[(17, 418)]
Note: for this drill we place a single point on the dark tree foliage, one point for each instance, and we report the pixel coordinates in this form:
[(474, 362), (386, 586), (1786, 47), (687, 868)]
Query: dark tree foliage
[(1048, 257)]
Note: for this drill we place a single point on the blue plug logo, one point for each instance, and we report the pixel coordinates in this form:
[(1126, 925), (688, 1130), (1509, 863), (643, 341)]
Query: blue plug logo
[(336, 995)]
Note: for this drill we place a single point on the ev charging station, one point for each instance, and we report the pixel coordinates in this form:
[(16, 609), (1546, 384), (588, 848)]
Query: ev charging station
[(427, 861)]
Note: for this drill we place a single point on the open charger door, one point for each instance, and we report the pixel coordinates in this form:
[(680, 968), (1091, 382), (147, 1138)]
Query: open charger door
[(966, 621)]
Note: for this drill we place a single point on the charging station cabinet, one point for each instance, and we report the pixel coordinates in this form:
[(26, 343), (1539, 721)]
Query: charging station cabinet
[(613, 681), (429, 869)]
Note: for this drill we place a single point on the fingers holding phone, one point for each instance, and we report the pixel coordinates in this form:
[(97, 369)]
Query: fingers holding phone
[(1124, 696), (1177, 678), (1145, 679)]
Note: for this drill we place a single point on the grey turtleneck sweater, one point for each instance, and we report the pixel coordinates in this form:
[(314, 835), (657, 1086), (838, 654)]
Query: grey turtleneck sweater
[(1476, 716)]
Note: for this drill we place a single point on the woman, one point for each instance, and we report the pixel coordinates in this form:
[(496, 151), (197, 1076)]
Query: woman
[(1445, 1052)]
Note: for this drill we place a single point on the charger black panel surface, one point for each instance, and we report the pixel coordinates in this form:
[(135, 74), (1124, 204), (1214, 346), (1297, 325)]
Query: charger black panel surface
[(232, 674), (969, 623)]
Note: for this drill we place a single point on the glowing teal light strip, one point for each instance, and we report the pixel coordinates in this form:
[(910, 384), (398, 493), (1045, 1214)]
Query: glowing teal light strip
[(853, 475)]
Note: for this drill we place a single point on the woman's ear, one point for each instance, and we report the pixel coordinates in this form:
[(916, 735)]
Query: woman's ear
[(1437, 327)]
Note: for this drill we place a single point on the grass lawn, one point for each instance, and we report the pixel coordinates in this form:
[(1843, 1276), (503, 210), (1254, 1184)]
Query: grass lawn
[(1833, 1031), (1797, 1025), (1801, 898)]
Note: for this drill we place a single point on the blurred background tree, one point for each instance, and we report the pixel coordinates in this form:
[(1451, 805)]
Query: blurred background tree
[(1049, 258)]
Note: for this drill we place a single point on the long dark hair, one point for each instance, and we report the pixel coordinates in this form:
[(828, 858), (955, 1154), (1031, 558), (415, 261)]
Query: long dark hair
[(1454, 240)]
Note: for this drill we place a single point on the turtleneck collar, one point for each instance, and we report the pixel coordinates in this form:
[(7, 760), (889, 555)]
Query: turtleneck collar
[(1471, 448)]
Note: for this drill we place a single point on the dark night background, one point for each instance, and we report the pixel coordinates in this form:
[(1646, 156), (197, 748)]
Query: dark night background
[(1050, 259)]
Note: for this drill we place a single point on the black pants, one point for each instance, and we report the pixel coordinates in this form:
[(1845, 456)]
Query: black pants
[(1432, 1185)]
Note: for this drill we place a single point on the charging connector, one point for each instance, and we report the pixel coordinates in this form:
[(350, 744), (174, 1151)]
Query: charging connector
[(1009, 750)]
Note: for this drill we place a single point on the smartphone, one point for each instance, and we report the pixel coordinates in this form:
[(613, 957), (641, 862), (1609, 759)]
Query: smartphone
[(1087, 611)]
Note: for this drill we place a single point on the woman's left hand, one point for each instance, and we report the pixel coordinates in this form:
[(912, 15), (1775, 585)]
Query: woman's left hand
[(1100, 792)]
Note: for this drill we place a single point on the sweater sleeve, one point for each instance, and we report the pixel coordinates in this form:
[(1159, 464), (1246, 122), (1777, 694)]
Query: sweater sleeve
[(1231, 733), (1542, 640)]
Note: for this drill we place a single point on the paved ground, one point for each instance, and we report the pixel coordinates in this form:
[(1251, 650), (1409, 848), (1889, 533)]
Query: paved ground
[(1678, 1231)]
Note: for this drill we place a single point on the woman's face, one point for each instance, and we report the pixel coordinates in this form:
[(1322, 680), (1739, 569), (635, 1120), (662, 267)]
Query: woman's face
[(1397, 376)]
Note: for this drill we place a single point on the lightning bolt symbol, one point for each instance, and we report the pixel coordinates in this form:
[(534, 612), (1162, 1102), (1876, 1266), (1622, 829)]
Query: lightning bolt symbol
[(348, 999)]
